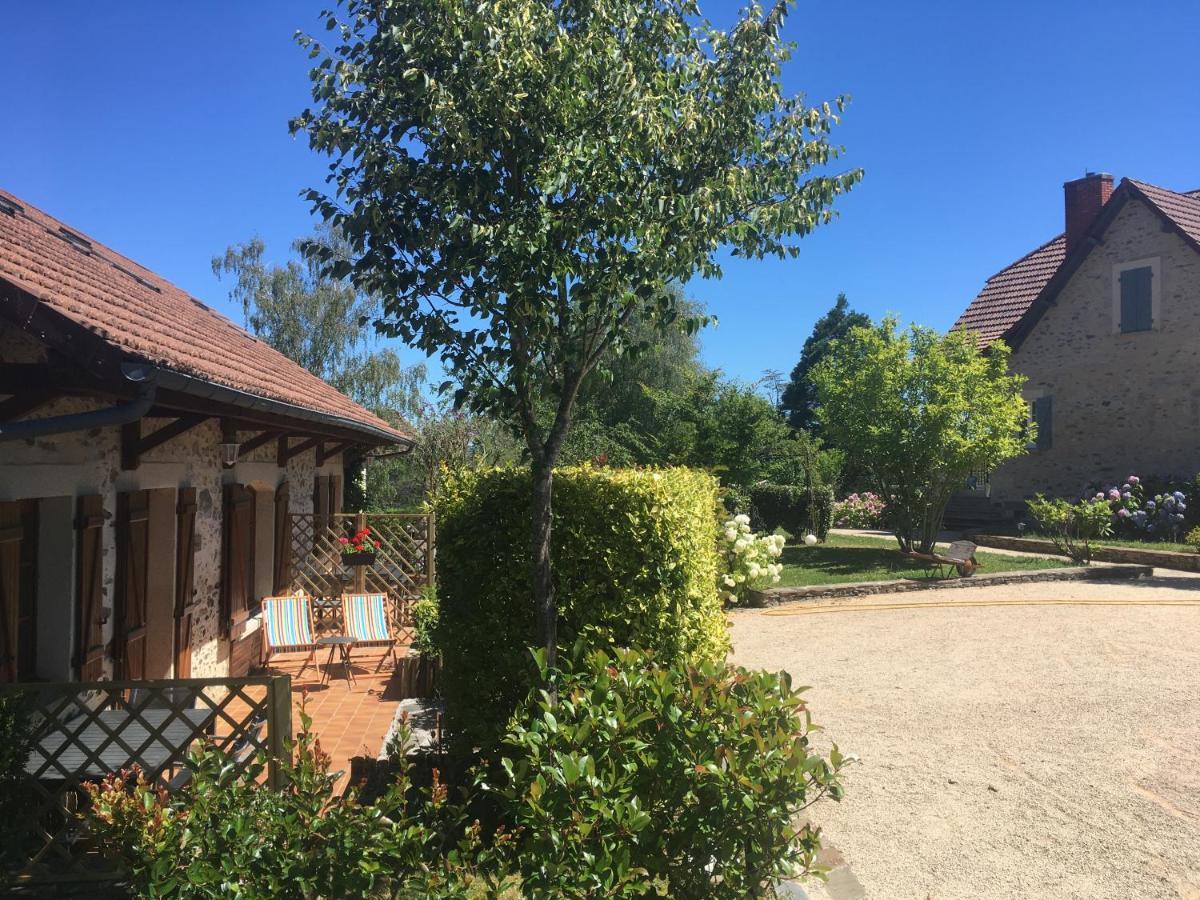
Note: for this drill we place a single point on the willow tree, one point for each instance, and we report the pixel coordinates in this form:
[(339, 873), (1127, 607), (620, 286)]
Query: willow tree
[(519, 178)]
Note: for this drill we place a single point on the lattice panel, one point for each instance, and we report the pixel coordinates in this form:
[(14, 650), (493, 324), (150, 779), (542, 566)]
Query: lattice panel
[(401, 568), (81, 732)]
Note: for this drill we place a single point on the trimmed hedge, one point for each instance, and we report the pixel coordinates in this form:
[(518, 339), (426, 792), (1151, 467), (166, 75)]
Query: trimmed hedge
[(786, 506), (635, 564)]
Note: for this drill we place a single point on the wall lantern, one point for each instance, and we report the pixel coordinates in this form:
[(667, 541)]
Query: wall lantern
[(229, 445)]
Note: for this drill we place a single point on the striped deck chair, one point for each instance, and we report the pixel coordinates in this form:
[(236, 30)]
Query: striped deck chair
[(367, 621), (288, 627)]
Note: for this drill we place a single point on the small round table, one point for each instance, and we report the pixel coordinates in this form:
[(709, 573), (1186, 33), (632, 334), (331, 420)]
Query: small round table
[(340, 644)]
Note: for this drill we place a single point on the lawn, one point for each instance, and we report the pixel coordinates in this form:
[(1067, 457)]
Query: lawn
[(845, 558), (1130, 543)]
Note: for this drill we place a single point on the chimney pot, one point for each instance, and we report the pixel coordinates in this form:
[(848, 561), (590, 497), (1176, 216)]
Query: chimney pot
[(1084, 198)]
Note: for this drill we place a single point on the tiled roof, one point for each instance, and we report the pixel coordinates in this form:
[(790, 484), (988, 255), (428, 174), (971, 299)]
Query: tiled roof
[(1182, 209), (150, 319), (1008, 293)]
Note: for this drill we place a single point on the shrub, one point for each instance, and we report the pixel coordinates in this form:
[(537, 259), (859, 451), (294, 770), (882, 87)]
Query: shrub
[(424, 613), (16, 795), (1193, 539), (1147, 509), (749, 559), (227, 833), (635, 564), (656, 780), (1073, 526), (792, 508), (865, 510)]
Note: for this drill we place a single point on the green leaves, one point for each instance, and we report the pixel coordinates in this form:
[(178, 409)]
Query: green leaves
[(676, 780)]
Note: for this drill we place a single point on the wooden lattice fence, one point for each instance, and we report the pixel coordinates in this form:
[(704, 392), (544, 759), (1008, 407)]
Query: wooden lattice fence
[(403, 566), (79, 732)]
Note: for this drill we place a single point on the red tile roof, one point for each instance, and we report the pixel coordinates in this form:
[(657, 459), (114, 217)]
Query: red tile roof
[(1008, 296), (1009, 293), (150, 319)]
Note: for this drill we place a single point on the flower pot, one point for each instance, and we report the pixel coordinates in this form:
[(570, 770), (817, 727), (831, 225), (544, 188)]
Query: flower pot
[(363, 558)]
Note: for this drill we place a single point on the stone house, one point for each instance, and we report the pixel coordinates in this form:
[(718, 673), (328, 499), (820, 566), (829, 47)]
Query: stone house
[(150, 455), (1104, 321)]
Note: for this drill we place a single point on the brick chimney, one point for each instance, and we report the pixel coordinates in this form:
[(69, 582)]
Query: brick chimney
[(1085, 197)]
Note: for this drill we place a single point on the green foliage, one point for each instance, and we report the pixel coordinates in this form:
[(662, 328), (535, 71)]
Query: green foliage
[(226, 833), (16, 796), (1073, 526), (650, 779), (1193, 538), (919, 412), (799, 397), (797, 510), (635, 565), (424, 612)]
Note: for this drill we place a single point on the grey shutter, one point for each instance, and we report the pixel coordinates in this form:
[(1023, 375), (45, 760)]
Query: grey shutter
[(1137, 313), (1042, 415)]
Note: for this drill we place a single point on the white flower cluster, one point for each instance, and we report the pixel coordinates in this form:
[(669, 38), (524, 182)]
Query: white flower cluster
[(749, 558)]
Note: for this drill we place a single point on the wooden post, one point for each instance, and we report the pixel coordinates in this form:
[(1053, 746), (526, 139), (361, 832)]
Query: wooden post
[(430, 553), (360, 572), (279, 726)]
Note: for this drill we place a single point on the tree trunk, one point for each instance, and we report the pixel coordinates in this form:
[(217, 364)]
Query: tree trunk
[(543, 575)]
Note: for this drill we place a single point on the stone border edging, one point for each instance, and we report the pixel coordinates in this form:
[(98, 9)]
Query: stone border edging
[(806, 593), (1162, 559)]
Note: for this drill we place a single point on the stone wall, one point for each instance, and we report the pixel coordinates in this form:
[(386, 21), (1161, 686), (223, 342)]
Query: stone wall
[(59, 468), (1121, 403)]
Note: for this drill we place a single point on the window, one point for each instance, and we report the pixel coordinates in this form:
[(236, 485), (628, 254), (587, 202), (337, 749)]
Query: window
[(1136, 292), (1040, 414)]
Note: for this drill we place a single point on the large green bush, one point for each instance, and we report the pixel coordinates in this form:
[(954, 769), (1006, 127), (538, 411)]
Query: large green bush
[(635, 564), (791, 508), (647, 780)]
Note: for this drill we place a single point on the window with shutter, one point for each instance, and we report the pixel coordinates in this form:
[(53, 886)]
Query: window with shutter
[(90, 614), (133, 552), (1042, 417), (185, 579), (237, 556), (1137, 308)]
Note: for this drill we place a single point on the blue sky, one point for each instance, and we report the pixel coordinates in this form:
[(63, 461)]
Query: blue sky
[(161, 129)]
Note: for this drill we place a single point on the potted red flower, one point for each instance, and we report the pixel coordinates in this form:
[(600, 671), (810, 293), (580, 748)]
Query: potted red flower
[(359, 549)]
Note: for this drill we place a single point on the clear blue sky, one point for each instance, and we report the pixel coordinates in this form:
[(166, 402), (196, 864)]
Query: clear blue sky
[(161, 129)]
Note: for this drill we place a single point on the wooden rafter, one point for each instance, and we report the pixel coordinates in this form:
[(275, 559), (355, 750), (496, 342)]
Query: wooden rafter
[(23, 404), (329, 451), (259, 440), (286, 452), (134, 445)]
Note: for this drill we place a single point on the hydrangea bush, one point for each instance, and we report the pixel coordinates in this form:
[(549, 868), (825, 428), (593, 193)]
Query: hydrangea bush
[(863, 510), (750, 559), (1139, 512)]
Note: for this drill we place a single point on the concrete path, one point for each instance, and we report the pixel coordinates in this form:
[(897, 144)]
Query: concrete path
[(1040, 742)]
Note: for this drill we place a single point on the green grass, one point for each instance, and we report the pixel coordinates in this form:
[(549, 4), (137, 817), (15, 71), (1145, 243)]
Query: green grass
[(846, 558)]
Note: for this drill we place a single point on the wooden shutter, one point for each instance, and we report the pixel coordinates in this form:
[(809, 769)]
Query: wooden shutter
[(335, 493), (11, 534), (90, 614), (237, 556), (1042, 415), (321, 507), (133, 551), (185, 579), (1137, 309), (283, 541)]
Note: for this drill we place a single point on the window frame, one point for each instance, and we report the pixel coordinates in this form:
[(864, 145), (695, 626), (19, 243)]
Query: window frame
[(1154, 264)]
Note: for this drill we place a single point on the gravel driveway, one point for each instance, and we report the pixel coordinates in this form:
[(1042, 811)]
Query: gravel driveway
[(1011, 750)]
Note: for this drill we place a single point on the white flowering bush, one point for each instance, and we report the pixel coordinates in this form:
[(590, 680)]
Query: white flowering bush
[(750, 559)]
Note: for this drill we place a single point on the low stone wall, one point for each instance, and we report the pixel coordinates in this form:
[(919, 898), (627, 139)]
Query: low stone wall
[(776, 596), (1162, 559)]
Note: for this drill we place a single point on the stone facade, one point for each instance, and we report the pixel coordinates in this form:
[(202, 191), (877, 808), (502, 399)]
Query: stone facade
[(1121, 403), (55, 470)]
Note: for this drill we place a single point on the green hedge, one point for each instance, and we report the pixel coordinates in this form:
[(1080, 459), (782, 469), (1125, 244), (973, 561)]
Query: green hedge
[(635, 564), (787, 506)]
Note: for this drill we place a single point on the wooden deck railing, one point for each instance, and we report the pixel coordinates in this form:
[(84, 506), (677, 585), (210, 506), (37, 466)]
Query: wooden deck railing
[(79, 732)]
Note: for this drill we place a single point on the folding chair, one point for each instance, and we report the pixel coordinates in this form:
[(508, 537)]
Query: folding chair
[(365, 618), (288, 628)]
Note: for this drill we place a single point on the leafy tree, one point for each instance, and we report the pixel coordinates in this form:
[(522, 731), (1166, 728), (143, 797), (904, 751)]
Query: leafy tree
[(519, 178), (317, 321), (799, 397), (919, 412)]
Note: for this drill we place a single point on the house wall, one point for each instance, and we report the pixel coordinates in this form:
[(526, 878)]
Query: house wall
[(1122, 403), (60, 468)]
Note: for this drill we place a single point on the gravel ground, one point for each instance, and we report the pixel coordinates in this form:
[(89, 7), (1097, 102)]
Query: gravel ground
[(1012, 750)]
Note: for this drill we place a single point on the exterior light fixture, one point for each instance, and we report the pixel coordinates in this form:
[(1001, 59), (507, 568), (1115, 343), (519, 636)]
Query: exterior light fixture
[(229, 444)]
